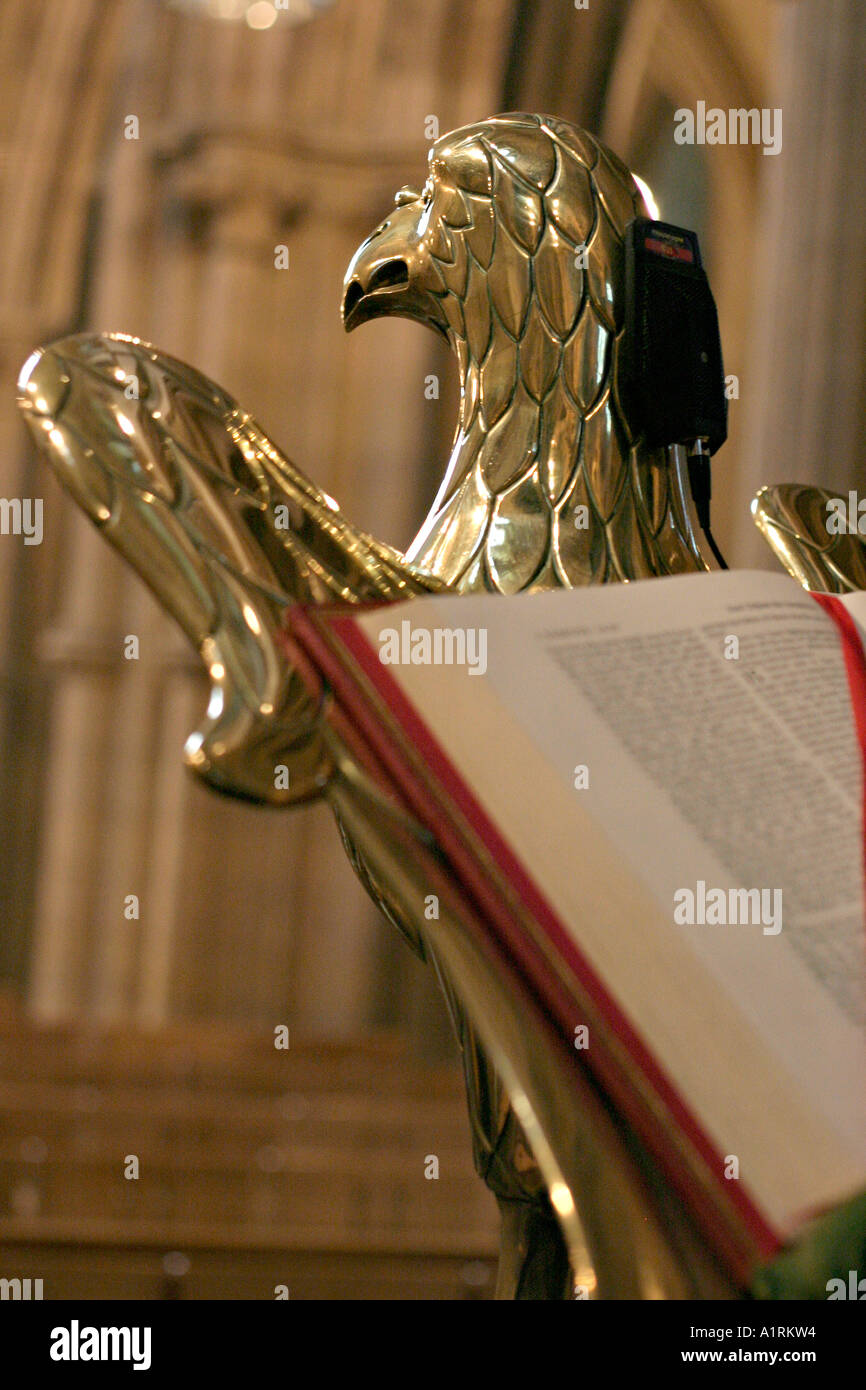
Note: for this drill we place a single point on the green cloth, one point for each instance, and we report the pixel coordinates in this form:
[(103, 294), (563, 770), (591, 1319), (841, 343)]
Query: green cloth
[(829, 1248)]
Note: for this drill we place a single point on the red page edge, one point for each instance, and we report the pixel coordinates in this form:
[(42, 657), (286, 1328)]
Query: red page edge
[(855, 667)]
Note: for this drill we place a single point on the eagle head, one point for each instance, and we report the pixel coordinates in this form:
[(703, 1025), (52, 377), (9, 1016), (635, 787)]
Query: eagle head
[(503, 198), (513, 249), (392, 272)]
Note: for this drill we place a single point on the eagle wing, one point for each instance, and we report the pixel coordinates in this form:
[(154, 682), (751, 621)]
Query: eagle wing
[(793, 519), (225, 531)]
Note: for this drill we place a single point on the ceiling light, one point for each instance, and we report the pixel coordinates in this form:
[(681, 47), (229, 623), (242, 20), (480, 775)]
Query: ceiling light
[(257, 14), (261, 15)]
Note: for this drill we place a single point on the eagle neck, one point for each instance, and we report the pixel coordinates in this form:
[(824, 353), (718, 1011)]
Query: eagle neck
[(507, 445)]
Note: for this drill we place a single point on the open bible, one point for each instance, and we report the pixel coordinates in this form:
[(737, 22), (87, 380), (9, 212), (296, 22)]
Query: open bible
[(654, 795)]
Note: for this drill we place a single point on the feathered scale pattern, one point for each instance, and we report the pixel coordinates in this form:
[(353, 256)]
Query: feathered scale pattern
[(546, 487)]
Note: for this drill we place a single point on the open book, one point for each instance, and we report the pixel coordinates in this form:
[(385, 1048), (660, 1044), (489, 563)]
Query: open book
[(668, 777)]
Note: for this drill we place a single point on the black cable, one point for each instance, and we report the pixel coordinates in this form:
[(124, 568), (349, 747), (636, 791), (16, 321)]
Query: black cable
[(701, 486), (722, 562)]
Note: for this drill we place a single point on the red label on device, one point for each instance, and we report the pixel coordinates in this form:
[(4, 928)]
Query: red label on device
[(676, 251)]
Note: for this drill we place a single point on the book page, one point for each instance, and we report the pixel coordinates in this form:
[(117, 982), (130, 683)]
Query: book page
[(692, 737), (856, 606)]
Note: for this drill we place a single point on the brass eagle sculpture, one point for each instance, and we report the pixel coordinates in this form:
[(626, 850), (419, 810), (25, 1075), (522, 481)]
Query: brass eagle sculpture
[(512, 250)]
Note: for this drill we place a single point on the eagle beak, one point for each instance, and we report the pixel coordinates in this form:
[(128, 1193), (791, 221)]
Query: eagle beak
[(368, 297), (386, 274)]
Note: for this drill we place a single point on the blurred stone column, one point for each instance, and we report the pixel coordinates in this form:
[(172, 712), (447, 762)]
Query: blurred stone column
[(55, 57), (807, 380), (247, 140), (242, 912)]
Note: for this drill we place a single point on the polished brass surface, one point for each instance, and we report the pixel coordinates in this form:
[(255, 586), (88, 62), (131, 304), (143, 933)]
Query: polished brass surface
[(796, 523), (223, 529), (512, 250)]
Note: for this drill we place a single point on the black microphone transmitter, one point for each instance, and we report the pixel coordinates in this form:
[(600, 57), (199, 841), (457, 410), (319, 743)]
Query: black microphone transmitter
[(671, 375)]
